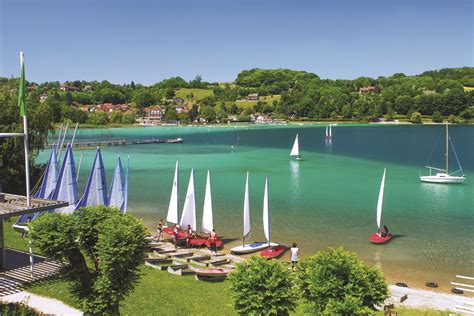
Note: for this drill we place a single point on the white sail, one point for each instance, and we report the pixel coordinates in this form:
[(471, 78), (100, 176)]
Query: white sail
[(116, 196), (266, 215), (189, 209), (66, 187), (246, 209), (207, 223), (173, 209), (380, 201), (295, 151), (96, 187), (330, 130), (327, 134)]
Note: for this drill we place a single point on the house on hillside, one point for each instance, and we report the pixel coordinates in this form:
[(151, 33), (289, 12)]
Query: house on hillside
[(252, 97), (367, 89), (181, 109), (88, 88), (65, 87), (109, 107), (43, 97), (153, 116)]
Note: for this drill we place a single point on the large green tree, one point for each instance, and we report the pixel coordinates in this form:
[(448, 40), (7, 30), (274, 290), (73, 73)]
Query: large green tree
[(114, 242)]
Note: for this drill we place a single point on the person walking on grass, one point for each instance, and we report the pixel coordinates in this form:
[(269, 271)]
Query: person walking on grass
[(294, 256)]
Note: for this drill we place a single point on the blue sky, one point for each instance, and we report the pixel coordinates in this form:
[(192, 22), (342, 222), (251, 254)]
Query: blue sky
[(147, 41)]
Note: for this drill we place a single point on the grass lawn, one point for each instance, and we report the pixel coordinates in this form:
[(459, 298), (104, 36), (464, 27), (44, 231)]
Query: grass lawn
[(199, 94), (249, 104)]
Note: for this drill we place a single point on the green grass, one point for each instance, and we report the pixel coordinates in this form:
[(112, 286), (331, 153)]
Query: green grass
[(249, 104), (158, 292), (199, 94), (13, 238)]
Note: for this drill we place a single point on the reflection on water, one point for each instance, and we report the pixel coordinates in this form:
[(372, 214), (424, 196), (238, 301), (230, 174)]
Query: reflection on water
[(378, 262), (328, 145), (295, 177), (435, 194)]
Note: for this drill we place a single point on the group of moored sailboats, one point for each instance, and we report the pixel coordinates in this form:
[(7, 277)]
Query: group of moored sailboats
[(188, 216), (60, 183)]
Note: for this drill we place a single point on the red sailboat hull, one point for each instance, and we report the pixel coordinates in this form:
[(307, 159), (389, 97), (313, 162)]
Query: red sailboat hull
[(273, 252), (376, 239)]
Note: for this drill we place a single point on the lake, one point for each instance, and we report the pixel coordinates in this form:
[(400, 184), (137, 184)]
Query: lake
[(327, 199)]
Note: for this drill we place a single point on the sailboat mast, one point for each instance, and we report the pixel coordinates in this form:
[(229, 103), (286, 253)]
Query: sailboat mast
[(447, 149)]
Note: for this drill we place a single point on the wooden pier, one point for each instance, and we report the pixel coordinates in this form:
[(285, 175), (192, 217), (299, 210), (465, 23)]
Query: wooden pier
[(124, 141)]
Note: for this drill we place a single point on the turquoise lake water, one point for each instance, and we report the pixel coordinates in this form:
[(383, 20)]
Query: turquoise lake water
[(327, 199)]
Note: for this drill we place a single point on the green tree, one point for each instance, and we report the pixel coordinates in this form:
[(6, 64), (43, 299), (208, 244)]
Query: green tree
[(335, 281), (170, 113), (415, 118), (437, 118), (453, 119), (262, 287), (113, 241), (128, 118), (97, 118), (208, 113), (116, 117), (143, 98), (68, 98)]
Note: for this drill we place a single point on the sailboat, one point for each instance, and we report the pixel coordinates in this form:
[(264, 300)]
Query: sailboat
[(442, 175), (173, 208), (117, 191), (273, 251), (295, 151), (328, 132), (189, 209), (96, 187), (377, 238), (252, 247), (46, 189)]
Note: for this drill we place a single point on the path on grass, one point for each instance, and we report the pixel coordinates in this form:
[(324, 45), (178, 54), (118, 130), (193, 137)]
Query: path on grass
[(42, 304)]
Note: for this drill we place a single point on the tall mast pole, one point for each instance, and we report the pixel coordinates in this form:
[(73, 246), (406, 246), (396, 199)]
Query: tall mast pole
[(447, 149)]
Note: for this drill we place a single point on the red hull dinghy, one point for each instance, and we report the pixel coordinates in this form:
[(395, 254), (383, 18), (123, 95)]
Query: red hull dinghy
[(218, 243), (376, 239), (169, 231), (273, 252)]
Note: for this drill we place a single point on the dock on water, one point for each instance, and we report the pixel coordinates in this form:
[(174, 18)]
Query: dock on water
[(124, 141)]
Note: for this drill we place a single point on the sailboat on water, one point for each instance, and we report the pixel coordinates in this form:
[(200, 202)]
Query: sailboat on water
[(272, 251), (256, 246), (442, 175), (328, 132), (378, 237), (295, 150)]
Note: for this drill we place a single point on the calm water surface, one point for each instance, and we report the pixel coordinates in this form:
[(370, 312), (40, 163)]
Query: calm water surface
[(328, 199)]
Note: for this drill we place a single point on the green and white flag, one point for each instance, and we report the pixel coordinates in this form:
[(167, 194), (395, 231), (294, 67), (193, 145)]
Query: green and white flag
[(22, 88)]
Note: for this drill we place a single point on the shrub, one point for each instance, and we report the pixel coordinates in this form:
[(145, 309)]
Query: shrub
[(334, 281), (453, 119), (437, 118), (415, 118), (263, 287), (8, 309), (114, 242)]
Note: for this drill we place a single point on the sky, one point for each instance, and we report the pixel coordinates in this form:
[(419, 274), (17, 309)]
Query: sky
[(147, 41)]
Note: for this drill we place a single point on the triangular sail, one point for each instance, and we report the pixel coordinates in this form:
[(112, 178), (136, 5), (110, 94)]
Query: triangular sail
[(295, 151), (189, 209), (66, 186), (116, 196), (48, 184), (207, 223), (380, 201), (173, 209), (246, 209), (96, 188), (330, 130), (266, 214)]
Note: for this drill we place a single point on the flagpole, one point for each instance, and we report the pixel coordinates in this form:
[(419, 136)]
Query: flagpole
[(22, 102)]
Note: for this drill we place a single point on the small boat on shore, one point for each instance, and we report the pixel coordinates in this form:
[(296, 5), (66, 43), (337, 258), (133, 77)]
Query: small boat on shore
[(377, 237), (273, 252), (212, 275)]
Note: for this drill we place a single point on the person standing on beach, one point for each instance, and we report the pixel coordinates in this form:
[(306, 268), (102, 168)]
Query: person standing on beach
[(159, 229), (212, 242), (294, 256)]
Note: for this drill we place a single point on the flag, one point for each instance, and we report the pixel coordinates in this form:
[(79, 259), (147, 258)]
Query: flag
[(22, 88)]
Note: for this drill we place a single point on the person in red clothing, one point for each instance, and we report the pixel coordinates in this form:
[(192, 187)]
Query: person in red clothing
[(174, 236), (212, 241), (189, 235)]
